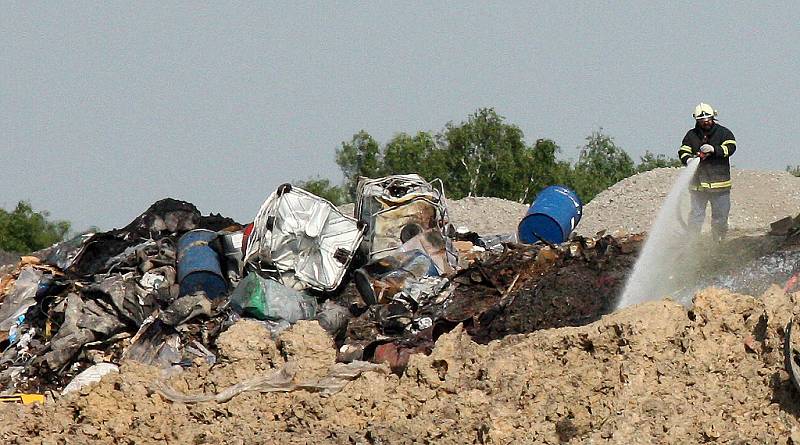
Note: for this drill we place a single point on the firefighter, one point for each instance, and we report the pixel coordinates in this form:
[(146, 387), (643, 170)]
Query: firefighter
[(714, 145)]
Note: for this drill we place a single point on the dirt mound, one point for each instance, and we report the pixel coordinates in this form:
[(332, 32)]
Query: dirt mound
[(7, 258), (652, 373), (487, 216), (631, 205)]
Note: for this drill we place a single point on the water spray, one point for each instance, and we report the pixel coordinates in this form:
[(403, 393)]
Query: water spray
[(666, 245)]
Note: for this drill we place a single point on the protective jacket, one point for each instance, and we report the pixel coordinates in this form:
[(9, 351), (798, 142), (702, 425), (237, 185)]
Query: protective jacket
[(714, 172)]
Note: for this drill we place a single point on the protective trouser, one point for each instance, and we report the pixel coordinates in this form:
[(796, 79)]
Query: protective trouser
[(720, 208)]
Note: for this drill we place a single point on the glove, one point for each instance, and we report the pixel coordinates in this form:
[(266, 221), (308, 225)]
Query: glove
[(705, 151)]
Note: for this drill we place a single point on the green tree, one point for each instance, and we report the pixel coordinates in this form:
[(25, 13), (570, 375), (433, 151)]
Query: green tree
[(652, 161), (793, 170), (421, 154), (324, 189), (487, 157), (359, 157), (542, 169), (601, 163), (24, 230)]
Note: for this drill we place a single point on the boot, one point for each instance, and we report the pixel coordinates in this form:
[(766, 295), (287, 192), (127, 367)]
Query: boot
[(718, 234)]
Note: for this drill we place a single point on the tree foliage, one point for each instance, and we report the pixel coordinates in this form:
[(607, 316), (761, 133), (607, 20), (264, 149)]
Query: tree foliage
[(487, 156), (652, 161), (324, 189), (601, 163), (421, 154), (24, 230), (793, 170), (359, 157), (480, 153)]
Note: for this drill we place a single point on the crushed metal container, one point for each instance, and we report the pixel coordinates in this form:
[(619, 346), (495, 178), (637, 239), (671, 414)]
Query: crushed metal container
[(397, 208), (232, 245), (303, 240), (231, 255)]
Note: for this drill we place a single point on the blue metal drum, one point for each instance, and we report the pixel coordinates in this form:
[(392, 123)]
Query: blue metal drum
[(199, 264), (553, 215)]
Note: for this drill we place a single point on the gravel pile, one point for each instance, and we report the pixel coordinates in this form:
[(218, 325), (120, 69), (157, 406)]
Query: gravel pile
[(631, 205), (8, 258), (485, 216)]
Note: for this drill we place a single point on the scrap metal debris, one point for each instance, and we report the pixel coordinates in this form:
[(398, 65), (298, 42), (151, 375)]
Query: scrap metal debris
[(384, 284), (104, 297)]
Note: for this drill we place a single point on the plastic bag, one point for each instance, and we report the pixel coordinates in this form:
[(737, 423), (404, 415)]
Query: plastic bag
[(266, 299)]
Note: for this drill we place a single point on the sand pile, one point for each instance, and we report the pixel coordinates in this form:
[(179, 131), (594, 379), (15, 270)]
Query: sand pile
[(650, 374), (630, 206), (654, 373)]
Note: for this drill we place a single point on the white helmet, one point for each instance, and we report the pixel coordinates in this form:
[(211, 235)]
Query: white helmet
[(704, 111)]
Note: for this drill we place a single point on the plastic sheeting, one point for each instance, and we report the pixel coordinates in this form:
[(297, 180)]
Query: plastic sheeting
[(339, 375)]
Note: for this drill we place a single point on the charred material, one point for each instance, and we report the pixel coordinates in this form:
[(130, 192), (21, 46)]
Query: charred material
[(104, 297), (520, 290)]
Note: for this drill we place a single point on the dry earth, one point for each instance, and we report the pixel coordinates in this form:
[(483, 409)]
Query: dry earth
[(630, 206), (654, 373)]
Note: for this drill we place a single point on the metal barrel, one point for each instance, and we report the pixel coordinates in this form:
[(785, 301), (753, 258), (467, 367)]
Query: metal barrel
[(199, 264), (553, 215)]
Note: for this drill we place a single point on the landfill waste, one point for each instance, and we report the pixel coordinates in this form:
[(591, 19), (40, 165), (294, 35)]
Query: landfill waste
[(553, 215), (25, 399), (302, 240), (266, 299), (446, 336), (396, 209), (379, 280), (232, 254), (21, 297), (522, 289), (471, 351), (124, 295), (333, 318), (199, 265), (118, 302), (90, 375), (106, 297)]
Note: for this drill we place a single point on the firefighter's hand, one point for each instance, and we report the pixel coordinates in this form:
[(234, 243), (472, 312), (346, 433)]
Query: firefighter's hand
[(706, 149)]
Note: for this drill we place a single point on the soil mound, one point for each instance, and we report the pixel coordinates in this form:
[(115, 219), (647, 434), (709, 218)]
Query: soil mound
[(651, 373), (630, 206)]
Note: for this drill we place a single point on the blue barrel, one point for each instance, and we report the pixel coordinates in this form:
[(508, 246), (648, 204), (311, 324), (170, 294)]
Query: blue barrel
[(199, 265), (552, 217)]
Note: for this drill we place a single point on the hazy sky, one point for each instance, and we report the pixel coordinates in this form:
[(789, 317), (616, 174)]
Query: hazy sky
[(106, 107)]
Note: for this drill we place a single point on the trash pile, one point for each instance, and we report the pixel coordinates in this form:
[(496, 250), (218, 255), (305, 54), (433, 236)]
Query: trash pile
[(106, 297), (384, 283)]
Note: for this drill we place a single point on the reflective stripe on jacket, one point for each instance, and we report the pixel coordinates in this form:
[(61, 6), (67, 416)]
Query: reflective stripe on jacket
[(714, 172)]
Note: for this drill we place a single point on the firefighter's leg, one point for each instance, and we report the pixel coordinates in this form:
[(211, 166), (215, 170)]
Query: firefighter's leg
[(720, 208), (697, 214)]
